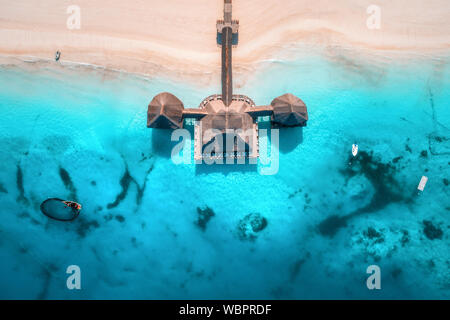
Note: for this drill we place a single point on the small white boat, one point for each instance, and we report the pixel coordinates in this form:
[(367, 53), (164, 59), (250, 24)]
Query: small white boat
[(354, 149), (422, 183), (57, 56)]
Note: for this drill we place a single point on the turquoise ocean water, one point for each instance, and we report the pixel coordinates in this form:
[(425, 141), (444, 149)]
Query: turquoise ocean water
[(153, 229)]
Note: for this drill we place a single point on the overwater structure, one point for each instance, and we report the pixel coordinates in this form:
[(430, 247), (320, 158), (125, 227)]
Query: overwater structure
[(226, 125)]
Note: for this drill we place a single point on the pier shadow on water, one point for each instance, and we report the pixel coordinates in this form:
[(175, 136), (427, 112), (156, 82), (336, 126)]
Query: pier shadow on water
[(161, 142), (224, 168), (290, 138)]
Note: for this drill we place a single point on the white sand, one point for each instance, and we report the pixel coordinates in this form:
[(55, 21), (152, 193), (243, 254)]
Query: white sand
[(177, 37)]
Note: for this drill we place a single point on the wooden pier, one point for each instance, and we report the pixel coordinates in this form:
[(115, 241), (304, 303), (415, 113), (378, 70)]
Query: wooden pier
[(228, 121)]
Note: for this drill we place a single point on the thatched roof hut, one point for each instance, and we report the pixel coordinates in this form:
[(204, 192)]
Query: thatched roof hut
[(165, 111), (289, 111), (226, 121)]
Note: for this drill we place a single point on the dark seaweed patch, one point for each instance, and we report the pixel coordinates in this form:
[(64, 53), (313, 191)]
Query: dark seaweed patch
[(26, 215), (120, 218), (20, 187), (445, 181), (23, 250), (295, 193), (381, 176), (84, 226), (371, 233), (396, 159), (81, 225), (2, 188), (67, 181), (431, 231), (405, 238), (47, 275), (96, 254), (140, 190), (396, 272), (34, 221), (125, 183), (374, 235), (423, 154), (204, 215), (295, 269), (331, 225)]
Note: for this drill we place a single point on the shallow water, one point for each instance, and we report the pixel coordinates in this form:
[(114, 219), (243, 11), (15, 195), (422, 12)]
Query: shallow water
[(145, 230)]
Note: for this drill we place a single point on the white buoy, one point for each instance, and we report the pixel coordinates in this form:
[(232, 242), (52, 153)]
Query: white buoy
[(422, 183), (354, 149)]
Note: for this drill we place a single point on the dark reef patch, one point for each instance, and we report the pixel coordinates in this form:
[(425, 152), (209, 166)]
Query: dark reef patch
[(96, 254), (295, 268), (396, 272), (431, 231), (397, 159), (2, 188), (386, 189), (405, 237), (250, 225), (67, 181), (120, 218), (26, 215), (204, 215), (445, 181), (47, 277), (134, 242), (331, 225), (424, 154), (20, 186), (83, 226), (294, 193), (371, 233)]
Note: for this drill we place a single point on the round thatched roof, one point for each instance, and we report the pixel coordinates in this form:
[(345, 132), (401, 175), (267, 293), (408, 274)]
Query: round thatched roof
[(289, 110), (165, 111)]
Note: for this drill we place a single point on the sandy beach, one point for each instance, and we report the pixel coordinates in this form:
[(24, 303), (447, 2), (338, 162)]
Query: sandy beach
[(177, 37)]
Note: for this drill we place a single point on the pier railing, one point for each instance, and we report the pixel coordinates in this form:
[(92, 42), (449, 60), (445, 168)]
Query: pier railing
[(236, 97)]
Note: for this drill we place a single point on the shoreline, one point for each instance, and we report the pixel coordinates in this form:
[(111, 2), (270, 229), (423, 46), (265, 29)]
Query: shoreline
[(178, 39), (201, 78)]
